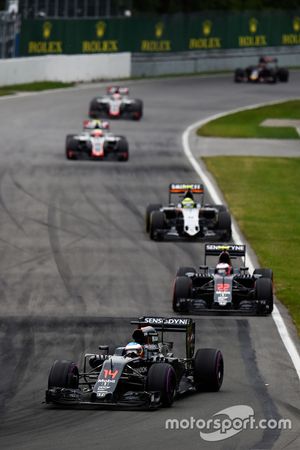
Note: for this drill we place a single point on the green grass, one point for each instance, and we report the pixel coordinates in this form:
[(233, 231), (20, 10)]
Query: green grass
[(263, 195), (34, 87), (246, 124)]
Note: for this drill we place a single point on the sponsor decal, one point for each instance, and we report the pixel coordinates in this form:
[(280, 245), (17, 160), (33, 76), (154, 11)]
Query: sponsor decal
[(100, 29), (253, 40), (292, 38), (206, 41), (98, 45), (47, 27), (157, 45), (45, 46), (161, 320)]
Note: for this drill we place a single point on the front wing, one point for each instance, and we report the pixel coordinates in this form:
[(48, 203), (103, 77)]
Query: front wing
[(198, 306), (76, 398)]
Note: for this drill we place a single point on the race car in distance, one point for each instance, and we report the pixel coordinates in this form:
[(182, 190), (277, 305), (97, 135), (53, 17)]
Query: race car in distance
[(222, 287), (97, 143), (144, 373), (187, 217), (116, 103), (266, 71)]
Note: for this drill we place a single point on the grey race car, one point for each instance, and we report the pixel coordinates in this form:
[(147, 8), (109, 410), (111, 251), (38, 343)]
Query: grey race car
[(223, 288), (144, 373)]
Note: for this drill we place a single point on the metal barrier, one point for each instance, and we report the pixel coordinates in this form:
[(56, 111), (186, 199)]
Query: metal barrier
[(9, 30)]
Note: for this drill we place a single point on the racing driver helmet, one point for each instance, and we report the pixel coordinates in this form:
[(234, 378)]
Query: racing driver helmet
[(97, 133), (223, 269), (133, 350), (188, 203)]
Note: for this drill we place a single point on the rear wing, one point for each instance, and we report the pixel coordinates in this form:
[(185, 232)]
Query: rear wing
[(234, 250), (172, 324), (182, 188), (117, 89), (92, 124)]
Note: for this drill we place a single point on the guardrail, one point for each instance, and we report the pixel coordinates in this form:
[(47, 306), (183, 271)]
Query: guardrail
[(65, 68)]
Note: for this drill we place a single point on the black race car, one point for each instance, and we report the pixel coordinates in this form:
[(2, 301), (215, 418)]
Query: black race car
[(267, 71), (187, 216), (223, 288), (144, 373), (116, 103), (97, 143)]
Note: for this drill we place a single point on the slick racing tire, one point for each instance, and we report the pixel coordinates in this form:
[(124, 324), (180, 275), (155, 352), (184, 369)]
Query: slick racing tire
[(224, 224), (183, 270), (150, 208), (63, 374), (283, 75), (208, 370), (162, 378), (123, 150), (266, 273), (182, 290), (70, 147), (96, 109), (264, 291), (137, 114), (157, 222), (239, 75)]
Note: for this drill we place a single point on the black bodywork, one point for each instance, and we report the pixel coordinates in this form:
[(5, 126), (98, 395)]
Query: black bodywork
[(239, 291), (151, 380), (172, 222), (266, 71), (110, 107)]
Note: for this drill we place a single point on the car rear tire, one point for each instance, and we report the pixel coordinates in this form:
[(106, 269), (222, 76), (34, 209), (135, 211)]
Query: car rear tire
[(63, 374), (264, 291), (138, 110), (283, 75), (266, 273), (183, 270), (157, 222), (208, 370), (182, 289), (162, 378), (123, 150), (150, 208), (224, 223), (239, 75)]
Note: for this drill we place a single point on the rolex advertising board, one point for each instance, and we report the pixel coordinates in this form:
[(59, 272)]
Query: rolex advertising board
[(197, 32)]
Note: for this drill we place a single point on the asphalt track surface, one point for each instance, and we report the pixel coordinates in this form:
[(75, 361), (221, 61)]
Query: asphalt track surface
[(76, 264)]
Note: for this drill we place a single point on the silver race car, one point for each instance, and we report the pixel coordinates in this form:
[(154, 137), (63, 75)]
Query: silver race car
[(116, 103), (97, 143)]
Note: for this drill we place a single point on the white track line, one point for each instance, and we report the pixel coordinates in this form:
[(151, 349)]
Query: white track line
[(236, 234)]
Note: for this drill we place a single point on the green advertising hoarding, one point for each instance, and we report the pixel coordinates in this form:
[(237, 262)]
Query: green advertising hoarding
[(165, 34)]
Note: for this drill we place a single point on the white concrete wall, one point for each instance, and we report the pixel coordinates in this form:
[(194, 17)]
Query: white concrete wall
[(65, 68)]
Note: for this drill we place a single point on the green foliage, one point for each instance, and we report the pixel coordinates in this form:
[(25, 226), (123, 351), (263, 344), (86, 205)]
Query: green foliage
[(31, 87), (246, 124), (263, 195)]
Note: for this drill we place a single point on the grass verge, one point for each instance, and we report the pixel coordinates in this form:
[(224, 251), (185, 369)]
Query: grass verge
[(33, 87), (246, 124), (263, 196)]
